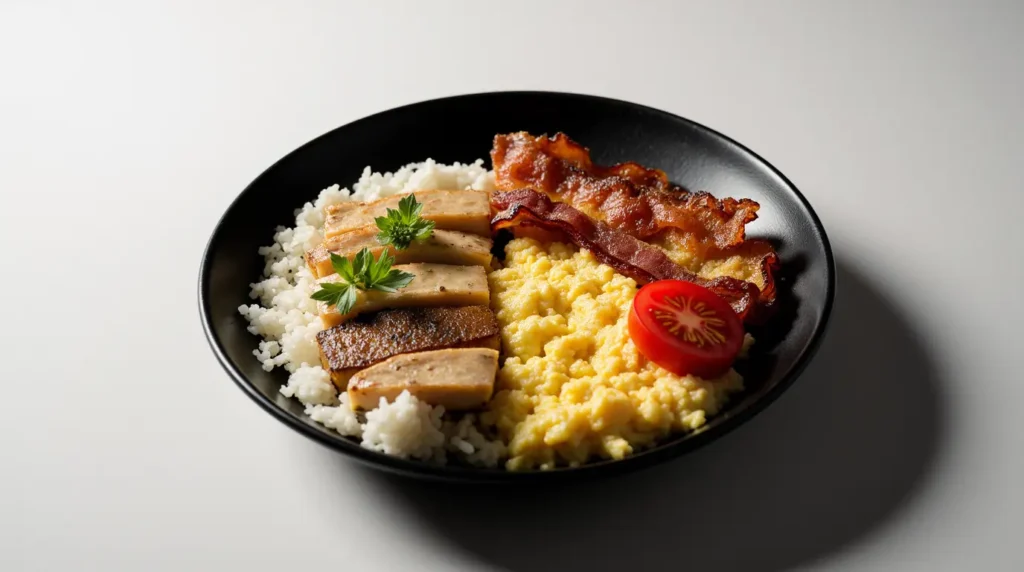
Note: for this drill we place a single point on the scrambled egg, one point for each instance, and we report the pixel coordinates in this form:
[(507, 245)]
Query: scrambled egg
[(573, 385)]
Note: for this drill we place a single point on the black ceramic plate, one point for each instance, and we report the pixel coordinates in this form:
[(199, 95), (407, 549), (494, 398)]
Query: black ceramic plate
[(462, 129)]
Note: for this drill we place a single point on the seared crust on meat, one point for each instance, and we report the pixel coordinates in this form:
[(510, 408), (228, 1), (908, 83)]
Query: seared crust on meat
[(360, 343)]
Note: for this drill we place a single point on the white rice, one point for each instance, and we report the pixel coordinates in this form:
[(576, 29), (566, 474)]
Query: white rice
[(286, 318)]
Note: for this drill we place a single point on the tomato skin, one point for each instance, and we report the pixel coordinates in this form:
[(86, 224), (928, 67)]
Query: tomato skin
[(685, 328)]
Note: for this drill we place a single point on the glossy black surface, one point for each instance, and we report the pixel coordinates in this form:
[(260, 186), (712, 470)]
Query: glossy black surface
[(461, 129)]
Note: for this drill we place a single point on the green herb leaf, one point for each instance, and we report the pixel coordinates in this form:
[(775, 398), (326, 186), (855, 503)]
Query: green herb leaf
[(394, 280), (361, 263), (343, 267), (385, 225), (401, 227), (379, 269), (346, 300), (337, 294), (363, 273), (409, 207)]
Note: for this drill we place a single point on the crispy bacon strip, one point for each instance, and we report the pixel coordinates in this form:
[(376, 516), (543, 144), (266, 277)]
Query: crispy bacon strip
[(628, 196), (627, 254), (695, 229)]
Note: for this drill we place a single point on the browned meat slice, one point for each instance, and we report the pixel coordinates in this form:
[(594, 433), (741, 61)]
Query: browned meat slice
[(465, 211), (355, 345), (458, 379), (433, 285), (442, 247)]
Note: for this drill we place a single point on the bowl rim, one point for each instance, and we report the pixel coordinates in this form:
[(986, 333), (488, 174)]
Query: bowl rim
[(603, 468)]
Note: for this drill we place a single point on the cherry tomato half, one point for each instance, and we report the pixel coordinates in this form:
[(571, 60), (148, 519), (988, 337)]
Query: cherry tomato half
[(685, 328)]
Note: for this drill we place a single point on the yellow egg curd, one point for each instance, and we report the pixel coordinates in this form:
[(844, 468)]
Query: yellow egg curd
[(573, 386)]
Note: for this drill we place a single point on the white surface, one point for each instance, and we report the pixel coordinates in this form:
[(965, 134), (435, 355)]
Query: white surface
[(126, 447)]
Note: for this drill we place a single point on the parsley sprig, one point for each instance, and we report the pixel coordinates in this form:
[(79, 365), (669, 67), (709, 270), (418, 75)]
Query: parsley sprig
[(401, 227), (363, 273)]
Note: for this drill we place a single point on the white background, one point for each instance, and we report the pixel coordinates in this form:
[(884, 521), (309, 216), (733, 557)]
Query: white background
[(126, 129)]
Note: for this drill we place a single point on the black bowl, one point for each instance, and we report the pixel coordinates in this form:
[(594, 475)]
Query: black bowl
[(462, 129)]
